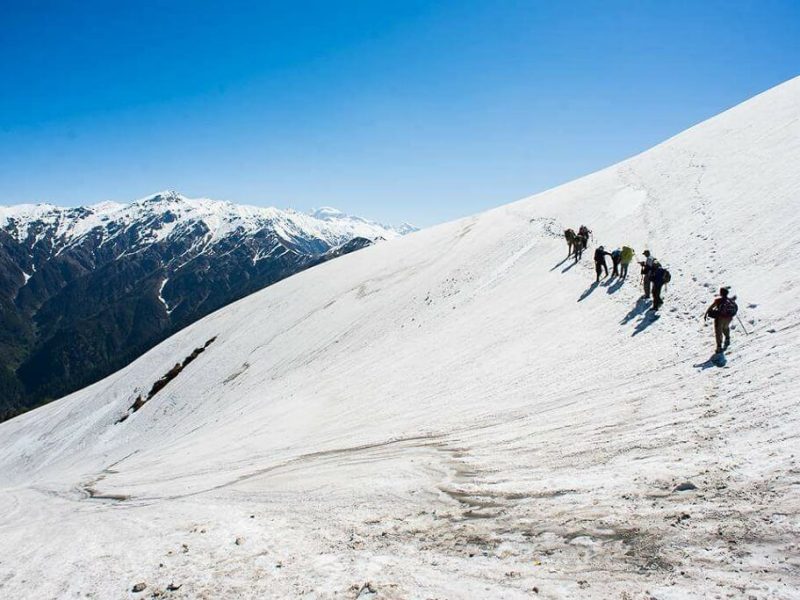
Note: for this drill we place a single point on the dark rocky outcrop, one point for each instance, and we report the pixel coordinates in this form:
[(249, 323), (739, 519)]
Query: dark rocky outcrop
[(162, 382)]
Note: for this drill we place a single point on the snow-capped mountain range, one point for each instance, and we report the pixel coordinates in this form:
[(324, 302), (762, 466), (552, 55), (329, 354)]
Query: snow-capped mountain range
[(86, 289), (169, 216)]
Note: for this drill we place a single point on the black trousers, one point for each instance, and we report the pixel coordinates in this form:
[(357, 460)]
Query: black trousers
[(657, 301), (599, 267)]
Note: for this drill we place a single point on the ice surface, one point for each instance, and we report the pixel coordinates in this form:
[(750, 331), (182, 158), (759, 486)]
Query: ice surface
[(459, 413)]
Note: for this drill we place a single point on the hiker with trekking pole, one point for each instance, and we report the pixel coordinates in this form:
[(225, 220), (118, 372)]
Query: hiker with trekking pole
[(723, 310), (647, 271)]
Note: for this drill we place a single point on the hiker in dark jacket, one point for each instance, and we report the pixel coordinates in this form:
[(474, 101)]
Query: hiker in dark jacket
[(580, 244), (616, 256), (722, 310), (658, 279), (569, 235), (600, 262)]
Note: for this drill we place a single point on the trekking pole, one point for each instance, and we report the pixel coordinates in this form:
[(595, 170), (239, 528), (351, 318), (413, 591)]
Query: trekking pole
[(742, 324)]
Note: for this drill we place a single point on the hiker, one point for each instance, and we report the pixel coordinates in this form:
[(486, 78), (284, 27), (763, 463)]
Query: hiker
[(616, 256), (647, 265), (626, 256), (659, 277), (569, 234), (586, 233), (600, 262), (722, 310), (580, 244)]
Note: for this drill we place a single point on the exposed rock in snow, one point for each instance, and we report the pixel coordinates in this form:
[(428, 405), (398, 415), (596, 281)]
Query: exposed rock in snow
[(685, 486)]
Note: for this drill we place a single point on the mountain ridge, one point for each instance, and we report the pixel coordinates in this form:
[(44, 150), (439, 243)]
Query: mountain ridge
[(86, 289), (72, 224)]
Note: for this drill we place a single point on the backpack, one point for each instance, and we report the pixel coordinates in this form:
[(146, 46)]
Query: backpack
[(728, 308), (667, 276)]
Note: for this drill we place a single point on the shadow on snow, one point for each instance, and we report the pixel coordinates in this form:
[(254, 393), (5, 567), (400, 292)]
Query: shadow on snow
[(716, 360), (647, 319), (588, 291), (615, 286), (561, 263), (641, 306), (569, 266)]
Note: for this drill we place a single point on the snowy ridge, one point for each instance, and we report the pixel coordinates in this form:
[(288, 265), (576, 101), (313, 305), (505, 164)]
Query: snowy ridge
[(168, 214), (171, 258), (461, 413)]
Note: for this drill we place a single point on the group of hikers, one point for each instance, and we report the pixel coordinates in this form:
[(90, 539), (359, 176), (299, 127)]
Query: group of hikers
[(653, 277)]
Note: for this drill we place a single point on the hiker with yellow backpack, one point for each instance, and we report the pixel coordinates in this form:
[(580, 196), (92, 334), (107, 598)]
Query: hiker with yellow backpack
[(625, 257)]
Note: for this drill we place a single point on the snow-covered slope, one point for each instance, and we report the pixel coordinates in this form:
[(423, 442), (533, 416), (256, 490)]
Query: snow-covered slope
[(459, 413)]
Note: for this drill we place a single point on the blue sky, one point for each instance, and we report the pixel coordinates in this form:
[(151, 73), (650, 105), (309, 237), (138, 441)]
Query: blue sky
[(417, 111)]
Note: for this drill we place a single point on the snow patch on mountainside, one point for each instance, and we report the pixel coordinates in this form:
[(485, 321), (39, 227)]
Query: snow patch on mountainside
[(161, 297), (462, 413)]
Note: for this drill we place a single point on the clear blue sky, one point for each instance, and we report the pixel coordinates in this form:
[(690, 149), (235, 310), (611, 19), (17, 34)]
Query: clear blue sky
[(418, 111)]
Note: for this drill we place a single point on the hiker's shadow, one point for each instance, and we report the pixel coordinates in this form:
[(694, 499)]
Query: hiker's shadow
[(615, 286), (641, 306), (561, 263), (716, 360), (588, 291), (647, 319), (569, 266), (607, 280)]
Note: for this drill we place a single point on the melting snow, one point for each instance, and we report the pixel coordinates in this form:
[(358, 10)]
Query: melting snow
[(161, 298)]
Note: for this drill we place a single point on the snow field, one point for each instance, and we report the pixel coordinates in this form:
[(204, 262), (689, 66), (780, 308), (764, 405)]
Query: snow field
[(459, 413)]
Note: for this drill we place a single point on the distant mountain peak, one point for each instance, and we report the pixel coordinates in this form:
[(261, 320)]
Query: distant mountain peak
[(327, 213), (164, 196), (106, 206)]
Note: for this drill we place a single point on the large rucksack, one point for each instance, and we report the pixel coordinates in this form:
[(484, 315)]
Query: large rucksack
[(667, 276), (627, 254), (728, 308)]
